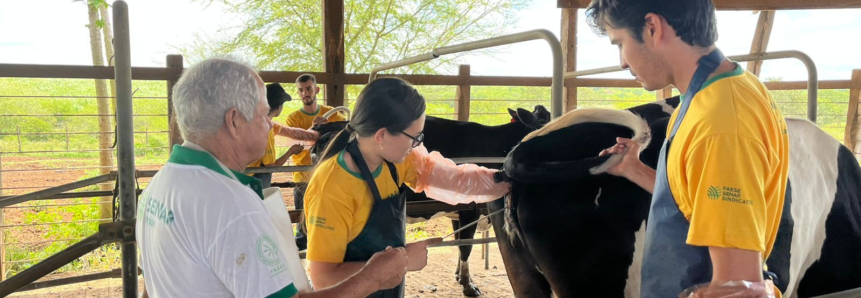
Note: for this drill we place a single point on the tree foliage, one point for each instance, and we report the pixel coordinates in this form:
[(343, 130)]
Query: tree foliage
[(287, 35)]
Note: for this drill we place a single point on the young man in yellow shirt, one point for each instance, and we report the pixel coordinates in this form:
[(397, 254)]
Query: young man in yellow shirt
[(719, 188), (310, 114), (276, 97)]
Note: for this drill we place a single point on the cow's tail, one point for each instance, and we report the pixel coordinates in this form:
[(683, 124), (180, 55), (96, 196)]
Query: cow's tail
[(512, 225)]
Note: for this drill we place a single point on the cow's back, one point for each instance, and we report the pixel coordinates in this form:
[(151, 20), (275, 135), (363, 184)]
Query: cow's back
[(825, 209), (468, 139)]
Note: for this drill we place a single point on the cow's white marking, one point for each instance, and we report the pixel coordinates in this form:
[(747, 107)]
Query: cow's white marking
[(632, 286), (665, 107), (598, 197), (642, 134), (813, 172)]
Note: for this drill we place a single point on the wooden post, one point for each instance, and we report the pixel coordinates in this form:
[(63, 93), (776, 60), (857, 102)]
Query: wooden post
[(333, 50), (569, 54), (850, 138), (173, 129), (18, 128), (2, 222), (2, 244), (463, 93), (760, 39), (486, 251), (106, 160), (667, 92)]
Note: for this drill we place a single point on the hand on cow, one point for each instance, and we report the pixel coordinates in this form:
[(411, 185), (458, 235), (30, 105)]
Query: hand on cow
[(387, 267), (417, 253), (630, 160), (295, 149), (320, 120)]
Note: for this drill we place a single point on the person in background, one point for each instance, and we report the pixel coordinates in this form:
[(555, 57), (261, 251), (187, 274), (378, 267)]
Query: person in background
[(310, 114), (276, 97)]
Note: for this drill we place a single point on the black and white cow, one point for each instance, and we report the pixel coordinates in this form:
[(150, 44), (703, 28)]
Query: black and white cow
[(577, 232), (455, 139)]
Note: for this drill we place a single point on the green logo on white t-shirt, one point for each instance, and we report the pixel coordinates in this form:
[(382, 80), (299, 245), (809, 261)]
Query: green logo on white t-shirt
[(267, 251)]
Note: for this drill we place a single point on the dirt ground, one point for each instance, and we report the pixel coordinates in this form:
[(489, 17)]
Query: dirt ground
[(436, 280)]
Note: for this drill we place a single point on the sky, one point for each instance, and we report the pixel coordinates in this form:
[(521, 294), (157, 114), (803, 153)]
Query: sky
[(57, 35)]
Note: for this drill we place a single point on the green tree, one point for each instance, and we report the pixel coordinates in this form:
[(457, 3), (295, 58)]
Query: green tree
[(287, 35)]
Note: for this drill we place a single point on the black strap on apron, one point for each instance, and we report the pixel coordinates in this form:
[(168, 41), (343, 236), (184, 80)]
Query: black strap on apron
[(386, 224), (353, 150)]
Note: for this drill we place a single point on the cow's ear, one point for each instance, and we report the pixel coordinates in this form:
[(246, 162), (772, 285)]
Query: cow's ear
[(513, 114), (525, 117)]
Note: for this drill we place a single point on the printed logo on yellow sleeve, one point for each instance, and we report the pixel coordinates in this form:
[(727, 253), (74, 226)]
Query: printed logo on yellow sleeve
[(714, 193), (727, 194), (320, 222)]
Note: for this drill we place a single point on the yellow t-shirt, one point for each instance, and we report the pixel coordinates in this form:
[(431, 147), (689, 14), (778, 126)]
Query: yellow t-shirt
[(338, 203), (304, 120), (269, 157), (729, 162)]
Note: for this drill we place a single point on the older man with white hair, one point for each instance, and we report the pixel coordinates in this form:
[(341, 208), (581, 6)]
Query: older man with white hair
[(202, 227)]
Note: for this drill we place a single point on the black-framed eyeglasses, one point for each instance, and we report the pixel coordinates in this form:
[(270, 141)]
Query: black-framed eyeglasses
[(417, 140)]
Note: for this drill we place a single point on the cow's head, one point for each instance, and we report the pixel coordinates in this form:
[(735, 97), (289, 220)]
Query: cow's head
[(533, 120)]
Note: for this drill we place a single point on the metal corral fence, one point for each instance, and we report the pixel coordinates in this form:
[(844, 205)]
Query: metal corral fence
[(65, 148)]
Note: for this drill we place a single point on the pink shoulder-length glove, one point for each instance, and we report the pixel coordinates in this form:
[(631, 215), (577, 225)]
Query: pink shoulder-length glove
[(442, 180)]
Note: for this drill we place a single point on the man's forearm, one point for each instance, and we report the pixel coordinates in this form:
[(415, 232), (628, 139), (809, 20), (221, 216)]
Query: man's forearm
[(281, 160), (732, 264), (358, 285), (331, 275), (644, 176)]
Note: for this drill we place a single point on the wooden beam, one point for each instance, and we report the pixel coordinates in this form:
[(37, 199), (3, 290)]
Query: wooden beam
[(750, 4), (569, 54), (760, 39), (82, 72), (463, 95), (665, 93), (333, 49), (850, 138), (173, 73), (173, 61)]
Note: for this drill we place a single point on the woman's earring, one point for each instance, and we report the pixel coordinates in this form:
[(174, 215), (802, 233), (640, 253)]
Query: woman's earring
[(381, 146)]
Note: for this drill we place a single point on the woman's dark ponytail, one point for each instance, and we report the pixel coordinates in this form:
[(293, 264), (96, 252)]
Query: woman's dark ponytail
[(390, 103), (336, 144)]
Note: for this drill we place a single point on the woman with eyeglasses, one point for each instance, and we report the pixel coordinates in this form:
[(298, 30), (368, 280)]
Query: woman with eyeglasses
[(355, 202)]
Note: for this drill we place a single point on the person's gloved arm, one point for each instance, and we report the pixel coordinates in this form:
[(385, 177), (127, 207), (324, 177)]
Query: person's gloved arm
[(442, 180), (731, 289), (297, 133)]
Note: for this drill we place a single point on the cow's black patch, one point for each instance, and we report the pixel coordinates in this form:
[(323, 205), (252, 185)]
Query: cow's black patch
[(839, 267), (778, 263)]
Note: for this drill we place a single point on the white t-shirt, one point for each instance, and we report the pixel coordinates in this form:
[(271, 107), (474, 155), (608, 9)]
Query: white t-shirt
[(202, 234)]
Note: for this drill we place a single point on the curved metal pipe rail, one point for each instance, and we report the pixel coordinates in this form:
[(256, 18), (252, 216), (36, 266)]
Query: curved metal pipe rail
[(338, 109), (555, 48), (812, 74)]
